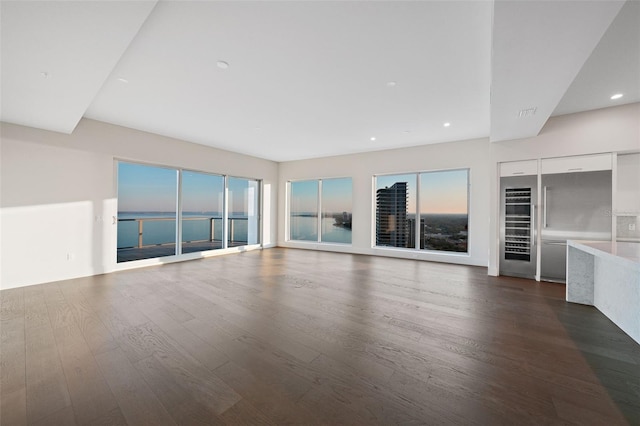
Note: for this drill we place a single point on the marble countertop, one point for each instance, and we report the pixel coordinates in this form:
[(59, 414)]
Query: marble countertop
[(628, 252)]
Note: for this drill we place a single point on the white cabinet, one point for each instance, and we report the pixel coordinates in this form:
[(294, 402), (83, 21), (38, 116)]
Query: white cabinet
[(627, 207), (581, 163), (628, 184), (519, 168)]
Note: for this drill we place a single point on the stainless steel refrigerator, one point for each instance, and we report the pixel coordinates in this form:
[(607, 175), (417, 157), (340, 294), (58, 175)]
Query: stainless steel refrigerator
[(518, 252), (574, 206)]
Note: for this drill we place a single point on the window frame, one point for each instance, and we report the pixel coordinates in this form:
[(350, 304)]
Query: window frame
[(178, 254), (418, 212), (319, 210)]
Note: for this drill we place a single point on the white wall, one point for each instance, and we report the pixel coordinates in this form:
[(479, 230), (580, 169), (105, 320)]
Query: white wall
[(58, 191), (58, 195), (472, 154), (615, 129)]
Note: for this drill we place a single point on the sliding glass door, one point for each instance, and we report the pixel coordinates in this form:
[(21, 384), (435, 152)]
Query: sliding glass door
[(202, 211), (243, 223), (147, 211), (156, 205)]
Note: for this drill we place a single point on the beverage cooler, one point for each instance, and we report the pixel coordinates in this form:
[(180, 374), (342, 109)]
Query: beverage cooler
[(517, 226), (575, 204)]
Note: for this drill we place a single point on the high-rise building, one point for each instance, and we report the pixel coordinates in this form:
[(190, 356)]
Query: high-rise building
[(391, 216)]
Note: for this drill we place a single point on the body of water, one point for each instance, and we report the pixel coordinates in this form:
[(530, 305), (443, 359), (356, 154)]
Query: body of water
[(305, 228), (197, 227)]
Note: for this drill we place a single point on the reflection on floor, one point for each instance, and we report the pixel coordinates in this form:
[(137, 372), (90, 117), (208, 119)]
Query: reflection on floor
[(162, 250), (301, 337)]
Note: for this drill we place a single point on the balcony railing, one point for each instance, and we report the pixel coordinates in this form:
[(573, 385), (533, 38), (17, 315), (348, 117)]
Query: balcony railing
[(155, 234)]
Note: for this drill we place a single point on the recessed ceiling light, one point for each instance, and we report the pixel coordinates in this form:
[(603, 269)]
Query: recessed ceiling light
[(616, 96), (123, 80), (406, 132), (223, 65), (44, 74), (447, 124), (373, 138), (391, 84)]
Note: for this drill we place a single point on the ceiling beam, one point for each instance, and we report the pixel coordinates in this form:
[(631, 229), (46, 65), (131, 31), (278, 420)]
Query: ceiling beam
[(50, 74), (538, 49)]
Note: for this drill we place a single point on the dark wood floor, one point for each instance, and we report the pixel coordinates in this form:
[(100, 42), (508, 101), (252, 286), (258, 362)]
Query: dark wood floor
[(286, 336)]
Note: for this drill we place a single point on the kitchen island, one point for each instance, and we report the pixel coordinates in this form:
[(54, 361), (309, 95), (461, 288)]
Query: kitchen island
[(607, 275)]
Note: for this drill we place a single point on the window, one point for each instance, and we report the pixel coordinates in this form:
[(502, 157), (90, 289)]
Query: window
[(444, 210), (395, 210), (304, 211), (320, 210), (336, 210), (439, 199), (150, 218)]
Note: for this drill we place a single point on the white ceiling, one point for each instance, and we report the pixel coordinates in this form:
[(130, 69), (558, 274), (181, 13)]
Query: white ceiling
[(309, 79), (614, 67), (538, 49), (56, 55)]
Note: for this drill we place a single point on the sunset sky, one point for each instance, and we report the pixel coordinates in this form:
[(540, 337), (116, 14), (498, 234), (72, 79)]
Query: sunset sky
[(440, 192), (444, 192), (336, 195), (144, 188)]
